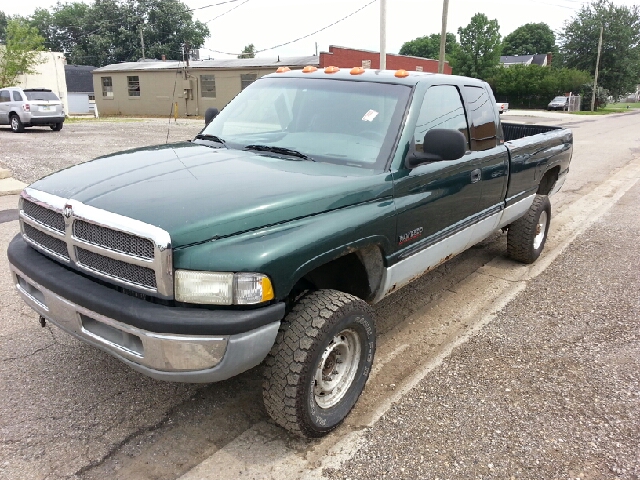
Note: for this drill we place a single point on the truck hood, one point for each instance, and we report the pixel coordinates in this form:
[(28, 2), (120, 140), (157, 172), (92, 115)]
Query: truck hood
[(197, 193)]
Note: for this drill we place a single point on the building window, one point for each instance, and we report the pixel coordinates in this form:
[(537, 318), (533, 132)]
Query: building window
[(92, 98), (208, 86), (107, 87), (247, 79), (133, 84)]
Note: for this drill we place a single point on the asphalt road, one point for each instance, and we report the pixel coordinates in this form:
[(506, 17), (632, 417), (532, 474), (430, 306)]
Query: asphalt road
[(70, 411)]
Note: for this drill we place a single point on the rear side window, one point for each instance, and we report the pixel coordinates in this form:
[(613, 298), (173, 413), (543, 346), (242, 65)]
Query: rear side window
[(41, 96), (4, 96), (482, 119), (441, 108), (16, 96)]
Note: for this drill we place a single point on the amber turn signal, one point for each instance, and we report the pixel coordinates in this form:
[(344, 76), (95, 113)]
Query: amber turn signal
[(402, 73), (309, 69), (331, 70), (283, 69), (357, 71)]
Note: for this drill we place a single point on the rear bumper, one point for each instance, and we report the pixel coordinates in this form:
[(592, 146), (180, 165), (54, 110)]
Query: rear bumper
[(175, 344), (44, 120)]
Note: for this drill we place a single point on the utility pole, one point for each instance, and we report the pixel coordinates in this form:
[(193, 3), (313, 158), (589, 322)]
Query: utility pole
[(142, 42), (443, 35), (383, 34), (595, 80)]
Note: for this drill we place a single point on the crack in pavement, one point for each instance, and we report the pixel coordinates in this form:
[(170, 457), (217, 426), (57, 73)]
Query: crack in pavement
[(21, 357)]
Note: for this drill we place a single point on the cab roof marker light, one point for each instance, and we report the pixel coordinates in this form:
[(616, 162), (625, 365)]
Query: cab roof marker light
[(309, 69), (357, 71), (283, 70), (331, 69), (401, 73)]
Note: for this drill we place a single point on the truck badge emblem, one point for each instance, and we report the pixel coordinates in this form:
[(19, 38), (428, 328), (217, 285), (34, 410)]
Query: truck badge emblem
[(412, 235), (68, 210)]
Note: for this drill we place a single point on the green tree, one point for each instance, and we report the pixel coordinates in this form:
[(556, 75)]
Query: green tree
[(248, 52), (3, 26), (429, 46), (534, 86), (19, 55), (479, 51), (620, 61), (108, 31), (529, 39)]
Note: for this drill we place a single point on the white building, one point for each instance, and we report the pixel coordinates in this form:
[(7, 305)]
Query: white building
[(49, 74)]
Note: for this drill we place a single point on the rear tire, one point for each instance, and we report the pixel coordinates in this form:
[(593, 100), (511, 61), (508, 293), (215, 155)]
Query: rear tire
[(320, 362), (16, 124), (528, 234), (57, 127)]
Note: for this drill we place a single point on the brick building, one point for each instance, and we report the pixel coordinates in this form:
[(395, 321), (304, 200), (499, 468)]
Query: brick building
[(350, 57)]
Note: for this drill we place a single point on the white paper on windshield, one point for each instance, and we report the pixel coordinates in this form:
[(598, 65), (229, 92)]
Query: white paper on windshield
[(370, 115)]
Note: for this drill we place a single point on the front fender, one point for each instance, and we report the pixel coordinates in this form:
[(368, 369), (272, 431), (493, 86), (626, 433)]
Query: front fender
[(288, 251)]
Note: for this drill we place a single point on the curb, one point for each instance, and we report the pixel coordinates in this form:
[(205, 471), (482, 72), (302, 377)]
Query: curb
[(9, 185)]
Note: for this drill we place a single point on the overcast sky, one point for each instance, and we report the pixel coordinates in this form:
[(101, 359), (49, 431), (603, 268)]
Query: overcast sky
[(267, 23)]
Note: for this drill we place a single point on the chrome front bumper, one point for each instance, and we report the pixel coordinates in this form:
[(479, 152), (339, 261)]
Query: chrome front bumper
[(172, 357)]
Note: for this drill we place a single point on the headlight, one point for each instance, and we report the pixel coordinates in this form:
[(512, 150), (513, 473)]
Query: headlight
[(222, 288)]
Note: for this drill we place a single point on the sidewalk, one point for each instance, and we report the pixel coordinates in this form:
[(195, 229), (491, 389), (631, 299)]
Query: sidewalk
[(9, 185), (549, 389)]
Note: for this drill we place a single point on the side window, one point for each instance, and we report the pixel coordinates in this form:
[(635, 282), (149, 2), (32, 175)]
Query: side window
[(247, 79), (208, 86), (482, 118), (4, 96), (107, 87), (16, 96), (133, 84), (441, 108)]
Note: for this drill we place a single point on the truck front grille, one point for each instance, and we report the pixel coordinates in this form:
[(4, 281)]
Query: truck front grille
[(135, 274), (44, 216), (113, 239), (120, 250), (47, 242)]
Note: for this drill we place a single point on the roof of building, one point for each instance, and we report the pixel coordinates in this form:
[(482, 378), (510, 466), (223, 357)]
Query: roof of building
[(232, 63), (524, 59), (79, 78)]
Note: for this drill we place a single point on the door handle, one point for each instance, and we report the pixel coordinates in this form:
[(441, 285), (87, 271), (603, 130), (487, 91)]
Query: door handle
[(476, 175)]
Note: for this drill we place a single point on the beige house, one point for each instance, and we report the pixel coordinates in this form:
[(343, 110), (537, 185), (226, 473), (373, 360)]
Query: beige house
[(153, 87)]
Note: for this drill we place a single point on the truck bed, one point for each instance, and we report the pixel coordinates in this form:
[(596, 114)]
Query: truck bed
[(515, 131)]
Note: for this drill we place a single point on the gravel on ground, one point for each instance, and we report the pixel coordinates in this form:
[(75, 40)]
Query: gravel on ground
[(39, 151)]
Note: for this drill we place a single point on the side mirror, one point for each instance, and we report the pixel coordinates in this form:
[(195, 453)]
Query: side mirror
[(210, 114), (439, 145)]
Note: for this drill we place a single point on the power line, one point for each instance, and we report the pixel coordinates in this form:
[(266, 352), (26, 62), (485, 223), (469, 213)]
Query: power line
[(212, 5), (224, 13), (319, 30)]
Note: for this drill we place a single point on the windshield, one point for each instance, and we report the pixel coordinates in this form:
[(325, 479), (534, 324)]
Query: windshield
[(346, 122), (41, 96), (559, 99)]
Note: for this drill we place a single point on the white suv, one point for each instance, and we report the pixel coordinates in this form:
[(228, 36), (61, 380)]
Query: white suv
[(30, 107)]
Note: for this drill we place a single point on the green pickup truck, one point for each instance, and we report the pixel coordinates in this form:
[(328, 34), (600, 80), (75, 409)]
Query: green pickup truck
[(311, 196)]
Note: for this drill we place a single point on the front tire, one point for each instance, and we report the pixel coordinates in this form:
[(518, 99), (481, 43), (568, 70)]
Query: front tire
[(16, 124), (527, 235), (320, 362)]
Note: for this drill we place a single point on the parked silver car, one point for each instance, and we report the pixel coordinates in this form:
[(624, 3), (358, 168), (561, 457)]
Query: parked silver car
[(30, 107), (559, 103)]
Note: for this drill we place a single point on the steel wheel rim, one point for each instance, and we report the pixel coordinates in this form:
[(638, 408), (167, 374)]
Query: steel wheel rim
[(337, 368), (14, 123), (541, 229)]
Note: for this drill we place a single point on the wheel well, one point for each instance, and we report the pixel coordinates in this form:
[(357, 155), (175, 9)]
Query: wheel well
[(358, 273), (548, 181)]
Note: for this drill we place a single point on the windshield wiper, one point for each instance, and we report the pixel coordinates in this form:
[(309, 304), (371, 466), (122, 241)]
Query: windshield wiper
[(211, 138), (280, 150)]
